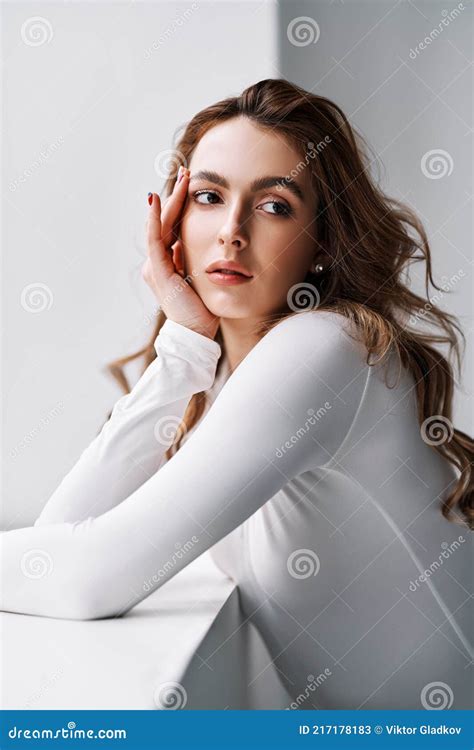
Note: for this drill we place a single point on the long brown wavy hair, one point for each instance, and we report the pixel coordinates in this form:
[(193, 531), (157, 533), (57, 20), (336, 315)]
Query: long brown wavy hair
[(371, 239)]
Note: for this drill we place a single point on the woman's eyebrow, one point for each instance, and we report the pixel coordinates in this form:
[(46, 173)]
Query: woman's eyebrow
[(261, 183)]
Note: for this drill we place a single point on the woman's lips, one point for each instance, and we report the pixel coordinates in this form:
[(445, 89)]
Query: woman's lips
[(217, 277)]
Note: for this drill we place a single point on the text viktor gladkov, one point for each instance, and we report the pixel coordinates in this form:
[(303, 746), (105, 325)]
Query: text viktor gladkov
[(423, 729)]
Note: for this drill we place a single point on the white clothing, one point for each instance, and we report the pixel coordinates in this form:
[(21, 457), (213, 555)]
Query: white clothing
[(309, 480)]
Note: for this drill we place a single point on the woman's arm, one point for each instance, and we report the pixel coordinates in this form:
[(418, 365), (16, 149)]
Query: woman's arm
[(132, 443), (258, 435)]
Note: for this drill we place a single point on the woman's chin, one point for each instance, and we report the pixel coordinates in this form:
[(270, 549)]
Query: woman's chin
[(227, 307)]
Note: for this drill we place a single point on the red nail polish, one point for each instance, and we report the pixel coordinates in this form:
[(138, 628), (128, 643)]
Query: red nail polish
[(150, 198)]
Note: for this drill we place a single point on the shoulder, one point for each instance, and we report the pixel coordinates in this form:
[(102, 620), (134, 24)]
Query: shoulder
[(303, 350), (316, 331)]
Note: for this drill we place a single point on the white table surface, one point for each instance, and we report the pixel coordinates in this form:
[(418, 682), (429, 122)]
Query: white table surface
[(190, 632), (116, 662)]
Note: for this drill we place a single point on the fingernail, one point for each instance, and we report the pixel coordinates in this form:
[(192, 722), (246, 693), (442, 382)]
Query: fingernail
[(180, 174), (150, 198)]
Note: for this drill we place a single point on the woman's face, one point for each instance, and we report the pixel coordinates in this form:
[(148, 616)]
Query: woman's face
[(270, 231)]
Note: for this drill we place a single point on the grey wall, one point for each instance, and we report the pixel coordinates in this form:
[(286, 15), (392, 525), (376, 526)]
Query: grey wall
[(406, 100)]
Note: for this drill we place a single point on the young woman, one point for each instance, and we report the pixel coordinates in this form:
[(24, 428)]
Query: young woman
[(293, 416)]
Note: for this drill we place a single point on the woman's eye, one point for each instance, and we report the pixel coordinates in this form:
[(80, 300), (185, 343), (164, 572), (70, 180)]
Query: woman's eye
[(283, 209), (204, 192), (280, 209)]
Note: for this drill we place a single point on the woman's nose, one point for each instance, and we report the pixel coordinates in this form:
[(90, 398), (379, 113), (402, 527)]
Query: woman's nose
[(233, 231)]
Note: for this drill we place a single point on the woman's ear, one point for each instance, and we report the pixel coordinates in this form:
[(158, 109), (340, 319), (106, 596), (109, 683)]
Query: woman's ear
[(321, 257)]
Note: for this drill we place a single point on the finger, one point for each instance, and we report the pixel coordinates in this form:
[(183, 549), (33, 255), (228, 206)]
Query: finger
[(172, 211), (157, 252), (153, 226)]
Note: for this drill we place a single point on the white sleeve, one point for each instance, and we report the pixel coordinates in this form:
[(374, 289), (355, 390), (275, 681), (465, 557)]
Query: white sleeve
[(132, 443), (286, 408)]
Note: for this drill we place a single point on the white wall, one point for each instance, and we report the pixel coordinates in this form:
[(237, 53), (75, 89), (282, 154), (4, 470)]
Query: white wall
[(406, 101), (85, 115)]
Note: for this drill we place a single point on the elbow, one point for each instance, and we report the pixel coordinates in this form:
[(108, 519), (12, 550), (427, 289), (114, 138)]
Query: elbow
[(92, 603), (84, 609)]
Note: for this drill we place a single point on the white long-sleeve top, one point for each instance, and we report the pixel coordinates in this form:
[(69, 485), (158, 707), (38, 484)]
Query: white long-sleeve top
[(309, 480)]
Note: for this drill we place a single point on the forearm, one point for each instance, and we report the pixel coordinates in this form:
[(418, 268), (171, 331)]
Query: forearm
[(132, 444), (44, 571), (229, 468)]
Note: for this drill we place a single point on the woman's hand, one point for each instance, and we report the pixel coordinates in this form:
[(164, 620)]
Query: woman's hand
[(165, 263)]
